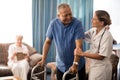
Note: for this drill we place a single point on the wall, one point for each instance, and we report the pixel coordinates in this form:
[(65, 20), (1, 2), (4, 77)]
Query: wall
[(15, 18), (112, 7)]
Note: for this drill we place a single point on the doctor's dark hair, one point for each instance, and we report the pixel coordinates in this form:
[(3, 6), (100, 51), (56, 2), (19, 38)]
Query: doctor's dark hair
[(103, 16)]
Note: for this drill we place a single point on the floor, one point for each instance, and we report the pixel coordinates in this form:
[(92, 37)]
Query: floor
[(7, 78), (48, 76)]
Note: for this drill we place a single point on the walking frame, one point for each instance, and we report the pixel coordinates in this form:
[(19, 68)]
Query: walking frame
[(34, 75), (68, 72)]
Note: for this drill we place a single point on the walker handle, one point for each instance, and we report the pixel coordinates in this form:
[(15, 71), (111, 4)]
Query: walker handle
[(68, 72)]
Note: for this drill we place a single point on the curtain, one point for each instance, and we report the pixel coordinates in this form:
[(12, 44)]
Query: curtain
[(42, 12), (45, 10)]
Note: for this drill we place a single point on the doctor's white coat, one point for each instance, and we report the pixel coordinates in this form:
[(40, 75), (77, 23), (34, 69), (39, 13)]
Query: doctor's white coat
[(100, 69)]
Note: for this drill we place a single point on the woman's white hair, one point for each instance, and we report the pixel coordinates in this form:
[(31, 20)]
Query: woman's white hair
[(19, 36)]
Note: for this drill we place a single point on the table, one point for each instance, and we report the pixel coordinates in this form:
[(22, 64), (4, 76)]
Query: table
[(117, 48)]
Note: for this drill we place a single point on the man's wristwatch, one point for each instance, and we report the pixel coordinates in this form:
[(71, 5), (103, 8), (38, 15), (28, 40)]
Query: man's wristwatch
[(75, 63)]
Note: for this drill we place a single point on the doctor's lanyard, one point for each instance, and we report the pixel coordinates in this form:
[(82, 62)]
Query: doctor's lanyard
[(100, 40)]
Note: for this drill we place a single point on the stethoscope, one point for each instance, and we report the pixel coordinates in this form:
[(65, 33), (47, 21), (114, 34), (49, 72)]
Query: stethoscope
[(100, 40)]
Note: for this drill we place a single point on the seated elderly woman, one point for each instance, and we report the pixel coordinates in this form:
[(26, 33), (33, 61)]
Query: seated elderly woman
[(19, 68)]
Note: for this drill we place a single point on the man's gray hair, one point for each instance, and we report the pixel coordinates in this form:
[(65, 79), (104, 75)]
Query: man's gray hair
[(62, 6)]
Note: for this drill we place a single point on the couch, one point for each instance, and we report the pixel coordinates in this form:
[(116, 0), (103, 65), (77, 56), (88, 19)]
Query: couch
[(6, 71)]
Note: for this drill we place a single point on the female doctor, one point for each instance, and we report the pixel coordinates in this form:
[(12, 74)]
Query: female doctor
[(101, 42)]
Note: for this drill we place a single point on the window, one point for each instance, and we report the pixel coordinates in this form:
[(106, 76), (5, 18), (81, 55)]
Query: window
[(112, 7), (15, 18)]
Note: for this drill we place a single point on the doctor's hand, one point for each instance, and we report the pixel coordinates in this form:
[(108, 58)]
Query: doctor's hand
[(78, 52)]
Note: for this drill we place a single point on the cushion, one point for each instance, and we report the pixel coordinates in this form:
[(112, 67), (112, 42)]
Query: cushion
[(3, 53), (52, 66), (5, 71), (31, 49), (34, 59)]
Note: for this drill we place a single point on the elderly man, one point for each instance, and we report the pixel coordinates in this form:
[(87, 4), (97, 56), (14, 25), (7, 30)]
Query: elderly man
[(67, 34)]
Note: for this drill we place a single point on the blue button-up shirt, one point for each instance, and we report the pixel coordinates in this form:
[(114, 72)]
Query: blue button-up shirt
[(64, 38)]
